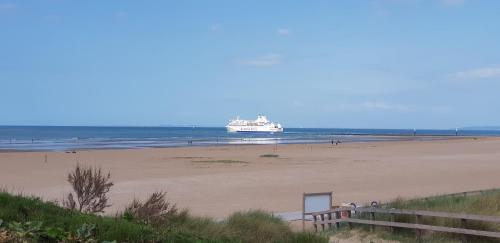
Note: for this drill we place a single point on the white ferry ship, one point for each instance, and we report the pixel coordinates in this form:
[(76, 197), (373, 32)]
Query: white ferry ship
[(261, 124)]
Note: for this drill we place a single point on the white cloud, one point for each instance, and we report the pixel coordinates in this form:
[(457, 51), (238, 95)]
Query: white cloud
[(399, 1), (297, 103), (386, 3), (283, 31), (378, 105), (452, 3), (264, 61), (52, 18), (7, 7), (215, 27), (479, 73), (121, 14), (372, 106)]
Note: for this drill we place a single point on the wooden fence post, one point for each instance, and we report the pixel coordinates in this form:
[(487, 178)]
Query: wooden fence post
[(330, 218), (463, 225), (322, 221), (337, 216), (418, 232), (304, 212), (372, 217), (349, 216), (315, 218), (392, 220)]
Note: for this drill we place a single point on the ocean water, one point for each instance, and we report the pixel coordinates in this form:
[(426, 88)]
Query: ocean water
[(62, 138)]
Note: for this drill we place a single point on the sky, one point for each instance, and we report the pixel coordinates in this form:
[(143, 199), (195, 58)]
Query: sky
[(342, 64)]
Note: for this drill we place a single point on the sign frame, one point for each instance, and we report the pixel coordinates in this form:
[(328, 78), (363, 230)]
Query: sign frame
[(305, 195)]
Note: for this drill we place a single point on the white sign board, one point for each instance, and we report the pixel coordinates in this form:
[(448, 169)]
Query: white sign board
[(315, 202)]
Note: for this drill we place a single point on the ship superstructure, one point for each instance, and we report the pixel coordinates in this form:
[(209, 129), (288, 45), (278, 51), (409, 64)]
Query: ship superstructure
[(261, 124)]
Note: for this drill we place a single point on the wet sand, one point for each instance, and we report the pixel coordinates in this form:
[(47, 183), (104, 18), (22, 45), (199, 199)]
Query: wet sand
[(216, 181)]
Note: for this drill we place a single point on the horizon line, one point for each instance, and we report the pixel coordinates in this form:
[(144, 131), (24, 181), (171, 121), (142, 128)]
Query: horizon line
[(293, 127)]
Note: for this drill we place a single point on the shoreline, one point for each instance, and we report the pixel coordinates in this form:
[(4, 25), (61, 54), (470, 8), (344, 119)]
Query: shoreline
[(218, 180), (210, 143)]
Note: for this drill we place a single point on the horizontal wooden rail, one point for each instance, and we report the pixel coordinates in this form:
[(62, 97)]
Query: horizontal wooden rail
[(413, 226), (333, 217), (487, 218)]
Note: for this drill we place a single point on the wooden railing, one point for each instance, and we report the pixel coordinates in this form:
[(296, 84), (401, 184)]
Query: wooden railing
[(328, 219)]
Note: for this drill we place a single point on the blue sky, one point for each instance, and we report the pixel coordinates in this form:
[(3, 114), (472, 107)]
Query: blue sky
[(352, 64)]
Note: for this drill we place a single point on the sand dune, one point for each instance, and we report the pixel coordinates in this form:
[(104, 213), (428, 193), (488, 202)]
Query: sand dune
[(217, 181)]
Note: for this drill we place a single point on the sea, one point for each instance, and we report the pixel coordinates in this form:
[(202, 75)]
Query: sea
[(67, 138)]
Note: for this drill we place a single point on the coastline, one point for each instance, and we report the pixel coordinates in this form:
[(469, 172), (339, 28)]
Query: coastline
[(218, 180), (341, 138), (56, 138)]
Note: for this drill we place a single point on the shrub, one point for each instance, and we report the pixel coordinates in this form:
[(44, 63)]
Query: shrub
[(90, 186), (259, 226), (155, 210)]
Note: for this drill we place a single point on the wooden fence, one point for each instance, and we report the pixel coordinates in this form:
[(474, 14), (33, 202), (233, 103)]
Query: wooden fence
[(330, 218)]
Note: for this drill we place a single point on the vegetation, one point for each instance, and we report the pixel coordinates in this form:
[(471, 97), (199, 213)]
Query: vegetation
[(486, 203), (155, 210), (29, 219), (222, 161), (269, 156), (90, 186)]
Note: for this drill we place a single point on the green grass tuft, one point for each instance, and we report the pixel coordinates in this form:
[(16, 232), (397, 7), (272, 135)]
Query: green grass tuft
[(222, 161), (269, 156), (257, 226)]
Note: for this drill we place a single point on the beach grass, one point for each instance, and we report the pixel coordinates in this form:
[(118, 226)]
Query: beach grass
[(191, 157), (37, 221), (221, 161), (269, 155), (487, 203)]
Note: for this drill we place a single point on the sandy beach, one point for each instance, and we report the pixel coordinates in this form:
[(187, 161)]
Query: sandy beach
[(216, 181)]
